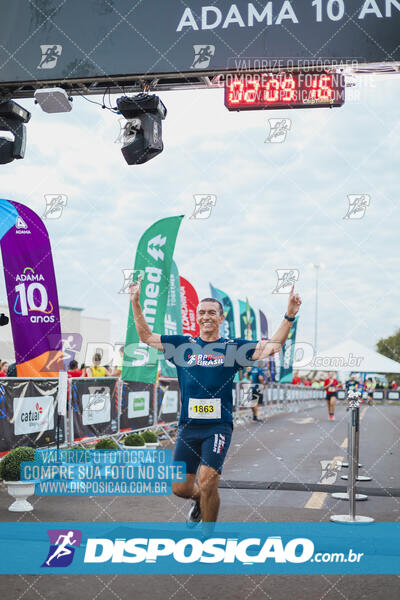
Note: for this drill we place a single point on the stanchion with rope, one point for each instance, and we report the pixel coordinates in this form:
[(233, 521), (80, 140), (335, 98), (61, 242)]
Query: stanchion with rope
[(354, 406), (358, 465)]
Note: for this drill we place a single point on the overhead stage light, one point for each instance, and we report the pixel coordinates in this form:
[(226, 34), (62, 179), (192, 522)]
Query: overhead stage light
[(53, 100), (12, 119), (142, 137)]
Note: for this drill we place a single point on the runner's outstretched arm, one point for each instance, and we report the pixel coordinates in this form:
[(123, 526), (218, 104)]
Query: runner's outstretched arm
[(144, 332), (265, 348)]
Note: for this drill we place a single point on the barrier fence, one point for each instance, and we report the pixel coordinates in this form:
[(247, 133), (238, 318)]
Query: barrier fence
[(109, 407)]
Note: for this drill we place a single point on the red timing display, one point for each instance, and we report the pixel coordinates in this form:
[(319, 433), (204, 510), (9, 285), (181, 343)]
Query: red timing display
[(283, 90)]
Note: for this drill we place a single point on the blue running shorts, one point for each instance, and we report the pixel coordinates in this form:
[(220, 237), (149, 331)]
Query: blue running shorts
[(203, 444)]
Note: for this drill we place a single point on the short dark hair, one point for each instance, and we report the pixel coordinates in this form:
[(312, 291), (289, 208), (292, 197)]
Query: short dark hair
[(221, 308), (73, 365)]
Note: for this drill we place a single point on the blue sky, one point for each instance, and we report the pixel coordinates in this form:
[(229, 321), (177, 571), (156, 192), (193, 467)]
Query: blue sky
[(278, 205)]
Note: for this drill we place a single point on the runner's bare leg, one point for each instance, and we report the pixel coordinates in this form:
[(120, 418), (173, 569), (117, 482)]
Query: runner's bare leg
[(209, 497)]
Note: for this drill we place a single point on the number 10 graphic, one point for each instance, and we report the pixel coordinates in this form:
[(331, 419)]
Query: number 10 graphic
[(27, 300)]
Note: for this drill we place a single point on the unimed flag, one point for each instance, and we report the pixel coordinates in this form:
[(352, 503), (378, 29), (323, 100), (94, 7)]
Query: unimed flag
[(153, 258), (287, 355), (227, 327), (31, 291)]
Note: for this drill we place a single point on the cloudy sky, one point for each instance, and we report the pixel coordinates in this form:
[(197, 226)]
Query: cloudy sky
[(279, 205)]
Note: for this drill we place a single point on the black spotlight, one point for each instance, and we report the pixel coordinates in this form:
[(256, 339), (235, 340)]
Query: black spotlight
[(142, 137), (12, 118), (3, 319)]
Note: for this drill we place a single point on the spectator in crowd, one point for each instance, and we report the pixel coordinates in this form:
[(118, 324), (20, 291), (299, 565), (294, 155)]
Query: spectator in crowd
[(73, 370), (394, 385), (3, 368), (307, 381), (117, 371), (296, 379), (12, 370), (317, 383), (96, 370)]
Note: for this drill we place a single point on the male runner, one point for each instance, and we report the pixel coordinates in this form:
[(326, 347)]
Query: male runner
[(206, 367)]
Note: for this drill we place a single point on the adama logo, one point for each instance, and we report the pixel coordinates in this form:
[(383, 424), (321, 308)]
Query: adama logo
[(21, 226)]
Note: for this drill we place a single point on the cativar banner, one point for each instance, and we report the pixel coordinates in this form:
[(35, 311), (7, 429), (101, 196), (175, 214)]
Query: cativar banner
[(173, 318), (31, 291), (28, 413), (189, 303), (153, 261), (227, 327)]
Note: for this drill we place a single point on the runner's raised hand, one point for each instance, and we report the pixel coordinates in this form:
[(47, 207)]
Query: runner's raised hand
[(294, 303), (134, 289)]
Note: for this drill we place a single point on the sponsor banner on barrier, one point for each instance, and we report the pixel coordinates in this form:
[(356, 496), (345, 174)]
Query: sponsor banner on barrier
[(28, 413), (137, 405), (232, 548), (33, 414), (168, 395), (94, 405)]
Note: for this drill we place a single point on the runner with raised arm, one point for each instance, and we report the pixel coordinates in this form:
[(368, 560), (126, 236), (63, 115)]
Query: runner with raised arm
[(206, 366)]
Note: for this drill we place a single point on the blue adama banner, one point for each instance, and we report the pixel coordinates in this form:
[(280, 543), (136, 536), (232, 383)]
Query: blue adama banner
[(232, 548), (60, 41)]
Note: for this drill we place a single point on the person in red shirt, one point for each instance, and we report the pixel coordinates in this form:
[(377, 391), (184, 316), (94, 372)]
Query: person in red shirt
[(331, 385), (73, 369), (394, 385), (3, 368), (296, 379)]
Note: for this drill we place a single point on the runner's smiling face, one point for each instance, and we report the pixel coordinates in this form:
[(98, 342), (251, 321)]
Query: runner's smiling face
[(209, 319)]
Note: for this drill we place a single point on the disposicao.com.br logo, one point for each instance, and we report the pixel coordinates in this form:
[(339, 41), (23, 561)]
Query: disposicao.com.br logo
[(247, 551), (169, 547)]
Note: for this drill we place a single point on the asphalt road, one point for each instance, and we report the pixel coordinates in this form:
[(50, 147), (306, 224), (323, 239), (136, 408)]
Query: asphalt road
[(299, 448)]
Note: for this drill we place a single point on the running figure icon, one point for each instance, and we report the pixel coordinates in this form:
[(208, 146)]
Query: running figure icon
[(62, 550)]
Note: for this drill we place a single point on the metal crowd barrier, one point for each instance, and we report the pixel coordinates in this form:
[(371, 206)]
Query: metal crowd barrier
[(276, 398)]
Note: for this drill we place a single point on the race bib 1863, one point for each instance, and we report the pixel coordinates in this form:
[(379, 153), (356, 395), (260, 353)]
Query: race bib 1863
[(204, 408)]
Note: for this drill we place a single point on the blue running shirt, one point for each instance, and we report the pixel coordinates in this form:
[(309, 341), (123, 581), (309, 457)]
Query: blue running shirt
[(205, 374)]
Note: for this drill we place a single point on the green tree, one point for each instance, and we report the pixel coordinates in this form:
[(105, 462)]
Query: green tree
[(390, 347)]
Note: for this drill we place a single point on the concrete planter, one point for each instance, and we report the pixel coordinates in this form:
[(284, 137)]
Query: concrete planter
[(20, 490)]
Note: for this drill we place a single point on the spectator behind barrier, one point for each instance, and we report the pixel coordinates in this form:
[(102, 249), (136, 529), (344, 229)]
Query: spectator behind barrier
[(117, 371), (12, 370), (296, 379), (3, 368), (73, 370), (96, 370)]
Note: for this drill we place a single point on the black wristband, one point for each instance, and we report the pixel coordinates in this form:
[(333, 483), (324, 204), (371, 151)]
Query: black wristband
[(290, 319)]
